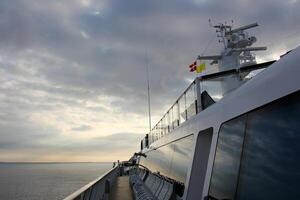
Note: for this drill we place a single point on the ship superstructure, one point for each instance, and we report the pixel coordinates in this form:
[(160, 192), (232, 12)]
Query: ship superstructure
[(233, 134), (236, 64)]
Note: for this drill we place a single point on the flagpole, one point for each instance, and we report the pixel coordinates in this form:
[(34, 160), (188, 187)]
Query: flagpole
[(148, 89)]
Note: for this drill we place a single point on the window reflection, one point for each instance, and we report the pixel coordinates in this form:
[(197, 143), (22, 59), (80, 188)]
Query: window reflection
[(270, 167), (171, 160), (181, 158), (191, 101), (213, 88), (227, 159), (182, 109), (175, 111)]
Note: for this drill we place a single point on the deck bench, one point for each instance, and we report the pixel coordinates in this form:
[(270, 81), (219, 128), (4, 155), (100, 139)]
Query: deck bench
[(151, 186)]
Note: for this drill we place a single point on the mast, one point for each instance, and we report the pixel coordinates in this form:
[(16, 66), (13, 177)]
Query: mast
[(237, 52)]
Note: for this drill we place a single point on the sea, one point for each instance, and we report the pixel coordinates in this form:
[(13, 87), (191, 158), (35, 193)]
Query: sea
[(51, 181)]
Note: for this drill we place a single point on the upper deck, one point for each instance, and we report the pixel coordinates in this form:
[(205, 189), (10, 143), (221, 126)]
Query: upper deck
[(236, 64), (201, 93)]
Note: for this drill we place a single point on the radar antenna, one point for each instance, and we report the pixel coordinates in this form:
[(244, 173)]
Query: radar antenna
[(237, 46), (237, 51)]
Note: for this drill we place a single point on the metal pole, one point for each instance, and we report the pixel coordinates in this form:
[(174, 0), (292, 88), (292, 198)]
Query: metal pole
[(198, 95), (148, 88)]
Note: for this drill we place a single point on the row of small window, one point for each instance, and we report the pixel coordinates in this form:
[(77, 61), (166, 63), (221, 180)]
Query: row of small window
[(184, 108)]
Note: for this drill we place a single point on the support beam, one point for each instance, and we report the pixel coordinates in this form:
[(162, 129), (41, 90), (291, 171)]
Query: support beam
[(209, 57)]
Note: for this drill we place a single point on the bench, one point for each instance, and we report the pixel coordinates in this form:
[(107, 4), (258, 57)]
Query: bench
[(151, 186)]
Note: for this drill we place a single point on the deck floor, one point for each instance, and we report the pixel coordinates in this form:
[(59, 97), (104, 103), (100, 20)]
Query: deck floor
[(121, 190)]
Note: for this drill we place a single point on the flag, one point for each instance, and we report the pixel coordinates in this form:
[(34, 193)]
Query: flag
[(193, 69), (193, 66), (200, 68)]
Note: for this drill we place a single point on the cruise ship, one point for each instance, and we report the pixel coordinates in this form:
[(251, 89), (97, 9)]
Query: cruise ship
[(232, 134)]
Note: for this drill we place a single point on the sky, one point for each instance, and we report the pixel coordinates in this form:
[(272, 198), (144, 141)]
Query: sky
[(72, 73)]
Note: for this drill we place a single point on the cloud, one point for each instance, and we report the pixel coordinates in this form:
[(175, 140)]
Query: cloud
[(82, 128), (119, 146), (66, 68)]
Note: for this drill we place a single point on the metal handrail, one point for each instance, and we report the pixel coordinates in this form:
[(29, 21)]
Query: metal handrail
[(89, 185)]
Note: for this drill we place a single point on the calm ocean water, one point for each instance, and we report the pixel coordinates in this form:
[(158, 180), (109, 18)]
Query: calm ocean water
[(46, 181)]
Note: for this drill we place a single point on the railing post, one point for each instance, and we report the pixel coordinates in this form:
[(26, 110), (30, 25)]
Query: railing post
[(198, 93)]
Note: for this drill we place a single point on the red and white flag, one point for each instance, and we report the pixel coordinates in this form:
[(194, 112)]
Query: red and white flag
[(193, 66)]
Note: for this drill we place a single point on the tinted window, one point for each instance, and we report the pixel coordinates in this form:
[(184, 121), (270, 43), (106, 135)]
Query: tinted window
[(270, 166), (171, 160), (159, 160), (257, 154), (181, 158), (227, 159)]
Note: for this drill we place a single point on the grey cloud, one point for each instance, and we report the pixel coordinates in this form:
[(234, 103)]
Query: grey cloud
[(25, 135), (121, 142), (111, 143), (48, 64), (82, 128)]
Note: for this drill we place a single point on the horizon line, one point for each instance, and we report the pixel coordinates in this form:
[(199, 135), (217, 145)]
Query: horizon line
[(51, 162)]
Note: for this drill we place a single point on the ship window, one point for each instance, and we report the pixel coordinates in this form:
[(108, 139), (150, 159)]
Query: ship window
[(158, 160), (182, 108), (168, 122), (154, 133), (257, 155), (181, 158), (165, 126), (171, 160), (172, 118), (270, 164), (227, 159), (213, 88), (159, 129), (191, 101), (175, 115), (162, 127)]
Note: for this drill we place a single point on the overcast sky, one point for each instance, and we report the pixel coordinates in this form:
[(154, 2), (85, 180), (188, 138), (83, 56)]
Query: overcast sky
[(72, 73)]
